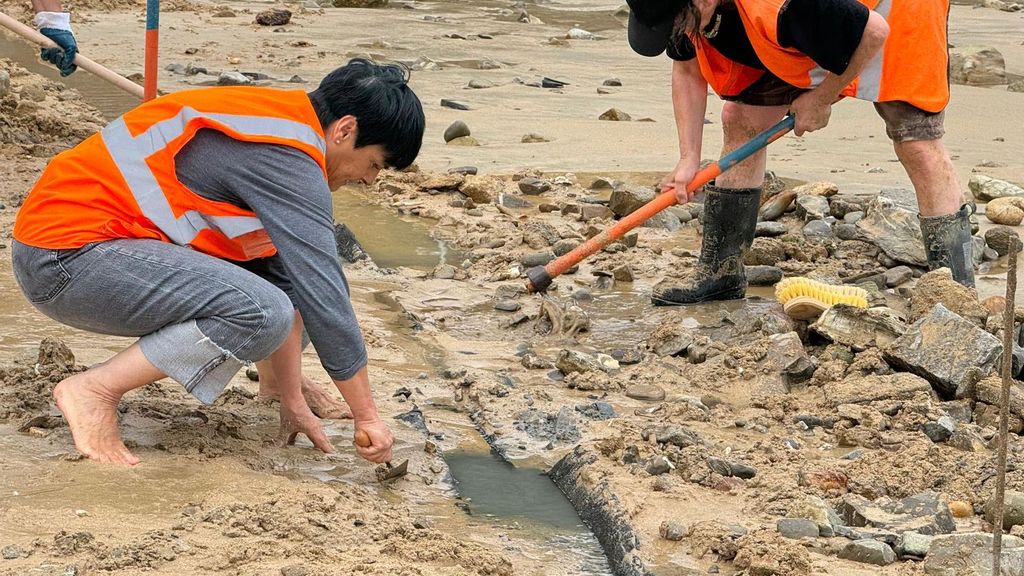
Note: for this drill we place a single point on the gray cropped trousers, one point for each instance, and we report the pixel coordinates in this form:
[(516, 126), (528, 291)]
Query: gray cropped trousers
[(199, 319)]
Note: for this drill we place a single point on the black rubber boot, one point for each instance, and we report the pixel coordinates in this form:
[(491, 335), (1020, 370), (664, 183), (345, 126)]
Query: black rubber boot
[(948, 244), (730, 215)]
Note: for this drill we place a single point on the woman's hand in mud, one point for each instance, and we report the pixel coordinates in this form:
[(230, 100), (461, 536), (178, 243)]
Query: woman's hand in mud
[(297, 418), (381, 440), (680, 178)]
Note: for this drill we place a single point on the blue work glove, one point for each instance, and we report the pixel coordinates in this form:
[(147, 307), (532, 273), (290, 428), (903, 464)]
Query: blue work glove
[(57, 27)]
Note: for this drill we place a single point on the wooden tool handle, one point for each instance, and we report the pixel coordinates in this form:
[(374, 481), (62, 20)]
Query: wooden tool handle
[(83, 62), (362, 439)]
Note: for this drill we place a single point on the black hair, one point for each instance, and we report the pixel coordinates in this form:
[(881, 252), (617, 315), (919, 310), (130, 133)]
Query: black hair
[(687, 21), (378, 95)]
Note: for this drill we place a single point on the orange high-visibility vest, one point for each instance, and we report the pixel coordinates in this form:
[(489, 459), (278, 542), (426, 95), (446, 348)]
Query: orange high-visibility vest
[(910, 67), (121, 183), (726, 77)]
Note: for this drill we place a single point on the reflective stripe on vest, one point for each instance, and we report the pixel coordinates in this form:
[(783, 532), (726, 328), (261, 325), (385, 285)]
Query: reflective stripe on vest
[(869, 83), (130, 152)]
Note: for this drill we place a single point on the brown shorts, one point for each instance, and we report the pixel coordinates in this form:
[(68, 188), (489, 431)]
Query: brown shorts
[(903, 121)]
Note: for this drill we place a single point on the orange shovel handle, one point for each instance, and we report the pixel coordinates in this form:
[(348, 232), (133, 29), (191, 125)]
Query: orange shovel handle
[(540, 277)]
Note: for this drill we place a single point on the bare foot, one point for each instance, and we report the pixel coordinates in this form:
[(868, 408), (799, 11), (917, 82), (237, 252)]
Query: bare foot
[(91, 413), (319, 400)]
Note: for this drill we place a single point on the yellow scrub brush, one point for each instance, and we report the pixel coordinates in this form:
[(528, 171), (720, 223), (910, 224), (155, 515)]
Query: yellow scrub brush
[(805, 299)]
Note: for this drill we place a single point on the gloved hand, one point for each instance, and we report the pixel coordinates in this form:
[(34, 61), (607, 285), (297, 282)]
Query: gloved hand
[(57, 27)]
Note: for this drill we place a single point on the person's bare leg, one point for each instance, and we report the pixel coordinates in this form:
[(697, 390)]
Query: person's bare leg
[(89, 401), (931, 171), (740, 123), (319, 400)]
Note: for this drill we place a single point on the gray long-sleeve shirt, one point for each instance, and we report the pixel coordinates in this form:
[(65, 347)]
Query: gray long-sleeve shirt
[(287, 191)]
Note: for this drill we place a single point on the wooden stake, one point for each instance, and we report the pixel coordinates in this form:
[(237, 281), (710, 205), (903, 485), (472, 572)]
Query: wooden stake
[(1004, 405)]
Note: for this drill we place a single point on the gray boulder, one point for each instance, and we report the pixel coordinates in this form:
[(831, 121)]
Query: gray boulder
[(810, 207), (868, 552), (971, 555), (951, 353), (627, 199), (985, 188), (890, 222), (976, 66), (570, 361), (860, 328)]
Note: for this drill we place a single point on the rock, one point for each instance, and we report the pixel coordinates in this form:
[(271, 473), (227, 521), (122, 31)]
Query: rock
[(914, 544), (537, 258), (896, 276), (294, 570), (961, 509), (763, 275), (658, 465), (890, 222), (478, 189), (1008, 210), (454, 104), (457, 129), (899, 386), (1013, 509), (5, 83), (507, 305), (677, 436), (976, 66), (625, 200), (597, 410), (986, 189), (796, 528), (940, 430), (512, 201), (443, 182), (615, 115), (810, 207), (672, 531), (570, 361), (938, 287), (967, 440), (11, 552), (786, 354), (823, 189), (464, 141), (770, 229), (735, 469), (274, 17), (663, 220), (1017, 86), (566, 429), (1000, 239), (349, 248), (533, 138), (853, 217), (765, 252), (989, 391), (538, 235), (950, 352), (480, 84), (591, 211), (623, 273), (776, 206), (868, 552), (818, 230), (970, 554), (671, 337), (534, 186), (233, 78), (645, 392), (533, 362), (860, 328), (818, 511), (444, 272)]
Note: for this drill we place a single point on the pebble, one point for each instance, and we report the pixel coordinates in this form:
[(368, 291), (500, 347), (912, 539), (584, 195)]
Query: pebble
[(564, 246), (534, 186), (797, 528), (274, 17), (533, 138), (914, 544), (537, 258), (940, 430), (615, 115), (507, 306), (10, 552), (623, 273), (673, 531), (818, 230), (770, 229), (465, 170), (233, 78), (464, 141), (480, 84), (454, 104), (5, 83), (646, 392), (763, 275), (445, 272), (898, 275), (252, 374), (612, 82), (868, 552), (457, 129), (658, 465), (294, 570)]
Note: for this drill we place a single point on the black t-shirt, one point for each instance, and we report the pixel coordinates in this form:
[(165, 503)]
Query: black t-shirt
[(828, 31)]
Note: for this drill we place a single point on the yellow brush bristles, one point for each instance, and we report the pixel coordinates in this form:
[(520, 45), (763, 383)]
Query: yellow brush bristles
[(827, 294)]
